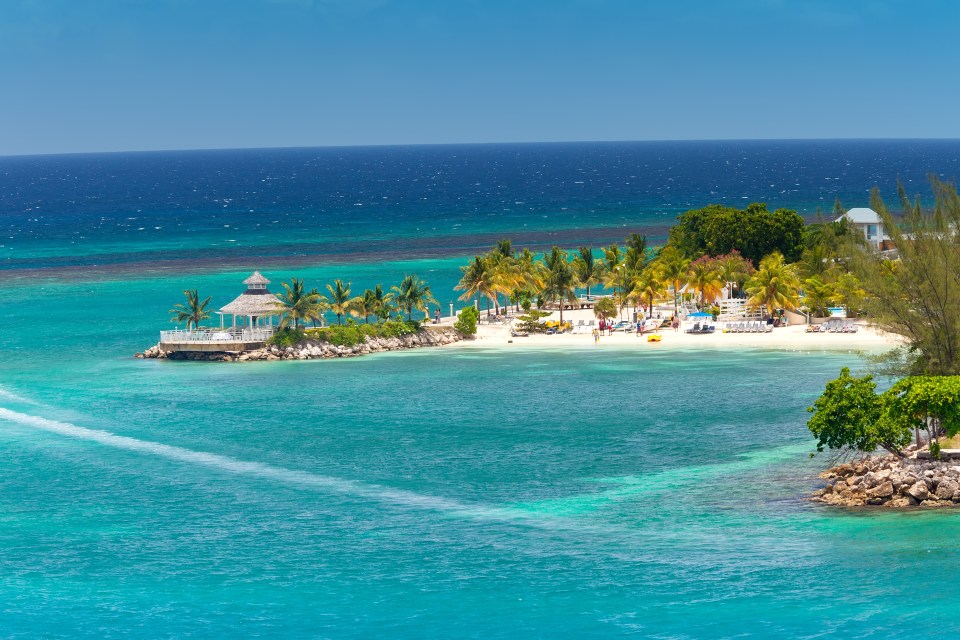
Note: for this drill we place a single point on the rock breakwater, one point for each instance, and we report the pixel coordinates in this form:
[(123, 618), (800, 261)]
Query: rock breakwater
[(314, 349), (890, 481)]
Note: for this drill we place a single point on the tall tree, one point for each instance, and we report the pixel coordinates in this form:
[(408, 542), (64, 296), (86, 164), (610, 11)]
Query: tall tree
[(775, 285), (754, 231), (817, 294), (704, 277), (193, 312), (734, 269), (297, 305), (650, 286), (920, 297), (340, 300), (413, 293), (382, 303), (531, 276), (587, 268), (474, 281), (561, 281), (504, 275), (366, 305), (673, 267)]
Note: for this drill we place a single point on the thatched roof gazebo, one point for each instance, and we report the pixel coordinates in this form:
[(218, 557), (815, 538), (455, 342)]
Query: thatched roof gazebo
[(256, 304)]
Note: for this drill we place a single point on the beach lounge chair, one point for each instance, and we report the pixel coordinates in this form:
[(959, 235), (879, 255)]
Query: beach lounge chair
[(694, 329)]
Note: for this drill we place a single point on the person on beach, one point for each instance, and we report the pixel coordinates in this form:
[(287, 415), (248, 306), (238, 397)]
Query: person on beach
[(596, 336), (436, 319), (676, 323)]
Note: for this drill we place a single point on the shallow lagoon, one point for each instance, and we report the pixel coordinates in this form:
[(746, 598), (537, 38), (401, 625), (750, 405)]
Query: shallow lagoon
[(468, 492)]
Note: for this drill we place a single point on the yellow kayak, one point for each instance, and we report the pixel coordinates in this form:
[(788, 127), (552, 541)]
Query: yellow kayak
[(654, 337)]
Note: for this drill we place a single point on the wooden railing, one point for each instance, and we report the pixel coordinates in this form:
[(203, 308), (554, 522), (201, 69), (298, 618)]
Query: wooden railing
[(246, 334)]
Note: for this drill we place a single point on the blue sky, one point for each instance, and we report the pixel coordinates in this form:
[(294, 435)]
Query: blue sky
[(106, 75)]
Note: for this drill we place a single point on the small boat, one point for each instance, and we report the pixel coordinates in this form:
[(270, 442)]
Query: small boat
[(654, 337)]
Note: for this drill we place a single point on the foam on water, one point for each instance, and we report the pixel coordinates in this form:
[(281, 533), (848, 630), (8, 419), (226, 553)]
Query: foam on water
[(240, 467), (306, 479)]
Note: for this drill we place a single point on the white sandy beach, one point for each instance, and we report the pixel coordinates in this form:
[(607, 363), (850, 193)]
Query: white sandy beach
[(792, 338)]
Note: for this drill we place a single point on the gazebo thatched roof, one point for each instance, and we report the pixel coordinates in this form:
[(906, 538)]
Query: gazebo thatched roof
[(256, 278), (256, 300), (254, 303)]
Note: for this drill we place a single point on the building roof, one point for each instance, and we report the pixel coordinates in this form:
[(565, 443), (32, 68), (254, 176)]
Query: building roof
[(861, 215), (256, 278), (254, 303)]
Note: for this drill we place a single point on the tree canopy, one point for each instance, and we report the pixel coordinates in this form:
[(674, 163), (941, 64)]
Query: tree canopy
[(850, 415), (193, 312), (755, 232), (918, 296)]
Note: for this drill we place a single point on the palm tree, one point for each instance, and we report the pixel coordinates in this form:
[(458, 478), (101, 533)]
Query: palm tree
[(504, 247), (297, 305), (704, 276), (774, 285), (473, 281), (382, 303), (735, 269), (366, 305), (413, 293), (849, 292), (650, 286), (340, 300), (531, 276), (561, 282), (635, 258), (503, 273), (587, 268), (193, 312), (673, 268), (817, 294)]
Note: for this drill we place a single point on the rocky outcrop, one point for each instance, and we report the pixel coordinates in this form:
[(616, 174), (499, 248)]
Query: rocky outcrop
[(315, 349), (893, 482)]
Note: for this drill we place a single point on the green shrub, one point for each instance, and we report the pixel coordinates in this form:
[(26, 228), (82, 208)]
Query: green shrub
[(530, 322), (287, 338), (350, 335), (467, 321)]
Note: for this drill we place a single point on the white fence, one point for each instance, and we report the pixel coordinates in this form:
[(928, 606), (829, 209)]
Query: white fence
[(218, 335)]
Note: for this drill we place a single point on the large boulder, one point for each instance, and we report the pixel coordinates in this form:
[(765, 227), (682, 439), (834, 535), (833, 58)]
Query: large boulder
[(946, 489), (902, 501), (919, 490), (882, 490)]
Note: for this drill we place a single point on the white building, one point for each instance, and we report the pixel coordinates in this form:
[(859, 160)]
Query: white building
[(868, 222)]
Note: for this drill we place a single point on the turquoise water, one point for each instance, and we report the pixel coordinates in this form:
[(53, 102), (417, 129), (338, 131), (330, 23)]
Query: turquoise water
[(464, 492), (586, 492)]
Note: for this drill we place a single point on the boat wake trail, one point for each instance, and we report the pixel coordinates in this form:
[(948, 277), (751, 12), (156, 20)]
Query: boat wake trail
[(283, 475)]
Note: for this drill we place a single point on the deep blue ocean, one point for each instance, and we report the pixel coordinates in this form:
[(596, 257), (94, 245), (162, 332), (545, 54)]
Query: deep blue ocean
[(500, 492)]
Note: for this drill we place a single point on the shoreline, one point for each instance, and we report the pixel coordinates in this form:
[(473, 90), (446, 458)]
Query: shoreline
[(313, 349), (789, 338), (792, 338), (887, 481)]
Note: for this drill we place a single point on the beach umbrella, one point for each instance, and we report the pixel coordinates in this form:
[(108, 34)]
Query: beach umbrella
[(701, 314)]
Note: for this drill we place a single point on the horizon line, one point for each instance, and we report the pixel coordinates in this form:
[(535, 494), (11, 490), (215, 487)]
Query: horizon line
[(466, 144)]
